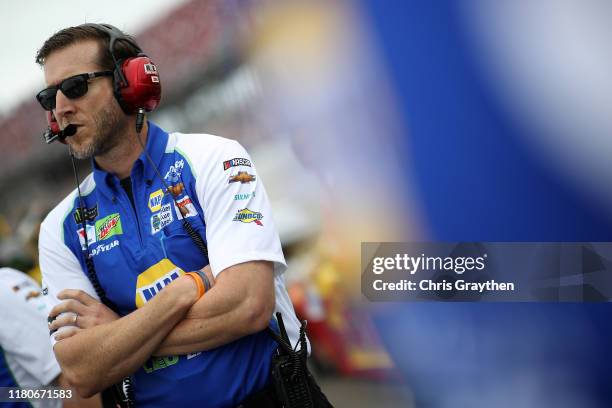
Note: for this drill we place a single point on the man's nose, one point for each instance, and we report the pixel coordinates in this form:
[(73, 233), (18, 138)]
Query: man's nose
[(63, 106)]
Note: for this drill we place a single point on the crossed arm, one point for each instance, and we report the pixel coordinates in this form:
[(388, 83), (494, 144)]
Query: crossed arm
[(105, 348)]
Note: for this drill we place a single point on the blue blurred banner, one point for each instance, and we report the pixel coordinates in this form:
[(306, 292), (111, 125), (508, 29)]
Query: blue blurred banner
[(487, 167), (475, 172)]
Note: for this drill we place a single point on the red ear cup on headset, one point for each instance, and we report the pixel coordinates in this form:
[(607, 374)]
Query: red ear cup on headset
[(52, 122), (54, 128), (136, 79), (143, 89)]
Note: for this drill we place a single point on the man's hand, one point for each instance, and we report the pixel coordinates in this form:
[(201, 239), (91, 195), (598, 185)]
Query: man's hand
[(80, 311), (110, 348)]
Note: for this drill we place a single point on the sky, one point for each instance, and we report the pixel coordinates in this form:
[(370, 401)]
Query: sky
[(26, 24)]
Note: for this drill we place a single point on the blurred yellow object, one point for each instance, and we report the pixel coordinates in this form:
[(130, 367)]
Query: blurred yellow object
[(35, 274), (364, 359), (5, 228), (327, 280)]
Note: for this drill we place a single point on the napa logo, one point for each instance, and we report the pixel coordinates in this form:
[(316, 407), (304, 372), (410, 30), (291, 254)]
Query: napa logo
[(154, 279), (155, 200), (108, 227)]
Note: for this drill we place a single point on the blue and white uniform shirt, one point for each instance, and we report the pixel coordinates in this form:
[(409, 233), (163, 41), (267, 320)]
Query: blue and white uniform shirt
[(138, 249)]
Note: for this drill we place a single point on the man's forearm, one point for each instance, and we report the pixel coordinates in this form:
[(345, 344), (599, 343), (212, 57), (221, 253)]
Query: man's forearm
[(204, 329), (98, 357), (234, 308)]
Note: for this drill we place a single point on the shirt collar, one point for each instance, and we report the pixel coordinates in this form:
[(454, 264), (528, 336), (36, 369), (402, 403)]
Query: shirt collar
[(157, 139)]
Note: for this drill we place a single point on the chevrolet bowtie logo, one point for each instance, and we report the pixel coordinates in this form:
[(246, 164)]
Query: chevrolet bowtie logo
[(242, 177)]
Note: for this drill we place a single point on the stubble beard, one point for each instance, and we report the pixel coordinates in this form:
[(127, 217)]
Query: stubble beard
[(109, 125)]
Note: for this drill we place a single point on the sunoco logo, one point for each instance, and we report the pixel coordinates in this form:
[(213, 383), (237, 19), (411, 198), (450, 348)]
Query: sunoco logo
[(247, 216)]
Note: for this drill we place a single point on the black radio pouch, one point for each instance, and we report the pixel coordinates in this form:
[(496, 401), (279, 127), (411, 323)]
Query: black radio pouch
[(294, 386)]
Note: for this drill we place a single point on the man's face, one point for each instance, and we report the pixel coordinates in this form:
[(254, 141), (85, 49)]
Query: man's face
[(99, 120)]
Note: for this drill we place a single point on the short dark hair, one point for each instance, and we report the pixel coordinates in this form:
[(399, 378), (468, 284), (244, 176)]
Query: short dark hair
[(72, 35)]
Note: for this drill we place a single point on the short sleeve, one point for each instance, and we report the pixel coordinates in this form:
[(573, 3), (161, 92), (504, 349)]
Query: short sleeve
[(60, 268), (239, 222), (25, 337)]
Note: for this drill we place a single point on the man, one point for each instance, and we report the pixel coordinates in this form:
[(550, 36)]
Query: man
[(26, 358), (182, 348)]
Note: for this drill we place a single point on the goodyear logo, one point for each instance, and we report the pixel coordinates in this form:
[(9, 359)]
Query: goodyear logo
[(247, 216), (155, 200), (154, 279), (104, 247), (238, 161), (108, 226)]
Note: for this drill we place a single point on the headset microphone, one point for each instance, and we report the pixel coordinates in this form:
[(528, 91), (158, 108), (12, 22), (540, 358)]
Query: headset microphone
[(70, 130), (49, 137)]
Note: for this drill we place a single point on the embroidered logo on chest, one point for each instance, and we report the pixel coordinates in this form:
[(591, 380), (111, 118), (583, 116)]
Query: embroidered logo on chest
[(154, 279)]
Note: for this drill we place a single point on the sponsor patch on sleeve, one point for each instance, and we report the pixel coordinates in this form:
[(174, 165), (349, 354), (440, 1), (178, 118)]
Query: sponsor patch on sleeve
[(238, 161), (244, 196), (247, 216), (241, 177)]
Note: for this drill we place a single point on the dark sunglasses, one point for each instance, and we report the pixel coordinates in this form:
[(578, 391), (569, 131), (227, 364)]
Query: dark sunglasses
[(73, 87)]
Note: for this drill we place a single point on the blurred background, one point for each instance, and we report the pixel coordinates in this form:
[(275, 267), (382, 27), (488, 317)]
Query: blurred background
[(375, 121)]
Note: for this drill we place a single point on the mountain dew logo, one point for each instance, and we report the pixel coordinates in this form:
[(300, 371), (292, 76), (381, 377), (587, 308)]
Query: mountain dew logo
[(108, 226)]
